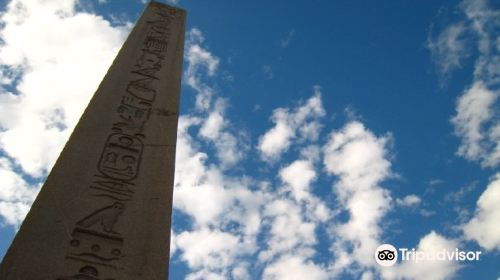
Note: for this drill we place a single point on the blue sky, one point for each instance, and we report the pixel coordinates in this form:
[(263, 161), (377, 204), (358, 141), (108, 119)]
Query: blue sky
[(310, 132)]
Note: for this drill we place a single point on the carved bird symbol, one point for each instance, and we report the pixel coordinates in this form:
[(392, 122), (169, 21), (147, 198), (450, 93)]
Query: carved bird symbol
[(106, 216)]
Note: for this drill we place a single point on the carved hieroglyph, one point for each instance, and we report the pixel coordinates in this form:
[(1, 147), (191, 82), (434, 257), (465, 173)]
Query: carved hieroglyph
[(104, 211)]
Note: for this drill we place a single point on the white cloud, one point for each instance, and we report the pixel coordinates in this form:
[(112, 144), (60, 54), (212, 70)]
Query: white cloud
[(16, 195), (494, 136), (294, 268), (240, 272), (303, 120), (52, 58), (201, 64), (475, 110), (409, 200), (277, 140), (311, 153), (223, 210), (455, 197), (449, 48), (311, 130), (63, 56), (359, 159), (293, 216), (208, 248), (198, 190), (225, 213), (298, 176), (173, 243), (483, 20), (435, 182), (480, 26), (476, 122), (289, 230), (427, 269), (215, 122), (291, 240), (483, 227), (216, 129), (427, 213), (222, 205), (357, 156)]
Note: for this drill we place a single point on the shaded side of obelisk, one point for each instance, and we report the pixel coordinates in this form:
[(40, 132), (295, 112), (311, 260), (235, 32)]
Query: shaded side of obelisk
[(104, 211)]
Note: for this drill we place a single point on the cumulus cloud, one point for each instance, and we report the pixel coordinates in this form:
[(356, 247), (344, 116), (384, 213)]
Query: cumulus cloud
[(207, 248), (289, 230), (222, 210), (230, 146), (298, 176), (52, 58), (360, 160), (294, 216), (484, 23), (201, 64), (231, 212), (476, 121), (431, 243), (215, 128), (483, 227), (200, 188), (479, 27), (475, 110), (16, 195), (301, 122), (294, 268)]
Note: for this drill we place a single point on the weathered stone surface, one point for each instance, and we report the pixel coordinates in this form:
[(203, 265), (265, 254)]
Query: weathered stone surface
[(104, 211)]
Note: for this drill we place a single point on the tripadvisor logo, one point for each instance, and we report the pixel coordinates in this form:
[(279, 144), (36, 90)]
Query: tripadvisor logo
[(387, 255)]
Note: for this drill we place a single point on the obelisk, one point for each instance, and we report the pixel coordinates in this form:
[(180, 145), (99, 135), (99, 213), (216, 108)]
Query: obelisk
[(104, 211)]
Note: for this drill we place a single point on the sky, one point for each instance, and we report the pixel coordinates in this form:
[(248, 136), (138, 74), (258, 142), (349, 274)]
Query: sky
[(310, 132)]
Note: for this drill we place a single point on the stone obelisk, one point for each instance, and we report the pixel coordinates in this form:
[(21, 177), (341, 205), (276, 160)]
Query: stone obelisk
[(104, 212)]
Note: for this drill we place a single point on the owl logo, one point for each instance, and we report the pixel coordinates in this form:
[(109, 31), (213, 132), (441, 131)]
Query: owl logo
[(106, 217)]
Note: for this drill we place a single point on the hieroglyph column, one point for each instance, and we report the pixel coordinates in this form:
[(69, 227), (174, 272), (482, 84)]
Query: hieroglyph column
[(104, 212)]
